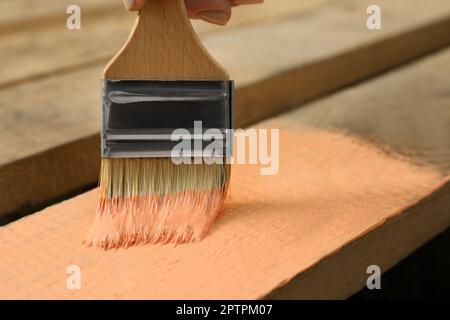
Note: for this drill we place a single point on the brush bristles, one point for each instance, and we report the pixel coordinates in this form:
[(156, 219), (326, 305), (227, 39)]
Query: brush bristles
[(153, 200)]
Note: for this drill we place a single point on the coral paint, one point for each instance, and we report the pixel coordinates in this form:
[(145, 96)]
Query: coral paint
[(175, 218)]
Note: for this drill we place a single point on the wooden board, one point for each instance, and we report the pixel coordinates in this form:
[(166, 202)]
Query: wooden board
[(19, 15), (311, 53), (338, 204), (29, 15), (53, 48)]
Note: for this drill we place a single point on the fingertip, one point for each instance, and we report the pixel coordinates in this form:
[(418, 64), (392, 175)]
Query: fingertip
[(134, 5), (213, 11), (241, 2), (216, 17)]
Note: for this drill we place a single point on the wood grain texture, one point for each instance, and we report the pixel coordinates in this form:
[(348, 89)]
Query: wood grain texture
[(311, 53), (19, 15), (62, 51), (29, 15), (164, 46), (406, 112), (325, 196), (35, 190)]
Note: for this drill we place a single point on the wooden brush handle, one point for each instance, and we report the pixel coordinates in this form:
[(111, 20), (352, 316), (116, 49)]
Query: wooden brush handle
[(164, 46)]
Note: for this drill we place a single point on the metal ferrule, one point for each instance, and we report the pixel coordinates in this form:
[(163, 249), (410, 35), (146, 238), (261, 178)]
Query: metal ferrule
[(152, 118)]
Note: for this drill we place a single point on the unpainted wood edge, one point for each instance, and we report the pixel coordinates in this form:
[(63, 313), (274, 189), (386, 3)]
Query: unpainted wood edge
[(29, 183), (54, 73), (344, 272)]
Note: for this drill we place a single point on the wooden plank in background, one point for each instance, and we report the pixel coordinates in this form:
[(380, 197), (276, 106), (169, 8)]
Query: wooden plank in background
[(349, 204), (309, 55), (413, 120), (55, 49), (19, 15), (29, 15)]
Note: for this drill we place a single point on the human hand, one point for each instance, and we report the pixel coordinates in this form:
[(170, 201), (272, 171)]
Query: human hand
[(214, 11)]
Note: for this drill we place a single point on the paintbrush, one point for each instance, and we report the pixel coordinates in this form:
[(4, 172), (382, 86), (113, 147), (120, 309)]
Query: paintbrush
[(165, 101)]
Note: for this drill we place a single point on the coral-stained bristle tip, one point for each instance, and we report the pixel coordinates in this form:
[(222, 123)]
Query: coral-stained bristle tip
[(177, 218), (154, 201)]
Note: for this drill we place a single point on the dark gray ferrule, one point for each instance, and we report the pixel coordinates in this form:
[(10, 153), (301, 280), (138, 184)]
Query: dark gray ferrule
[(140, 117)]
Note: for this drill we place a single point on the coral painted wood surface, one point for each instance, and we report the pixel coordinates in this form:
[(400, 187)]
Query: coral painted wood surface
[(275, 227)]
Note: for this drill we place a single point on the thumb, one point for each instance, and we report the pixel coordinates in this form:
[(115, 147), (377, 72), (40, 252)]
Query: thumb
[(214, 11)]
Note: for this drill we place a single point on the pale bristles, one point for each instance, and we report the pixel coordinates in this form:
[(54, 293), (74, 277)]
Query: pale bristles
[(153, 200), (137, 177)]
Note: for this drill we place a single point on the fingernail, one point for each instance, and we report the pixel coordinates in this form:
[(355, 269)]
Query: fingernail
[(239, 2), (217, 17), (129, 4)]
